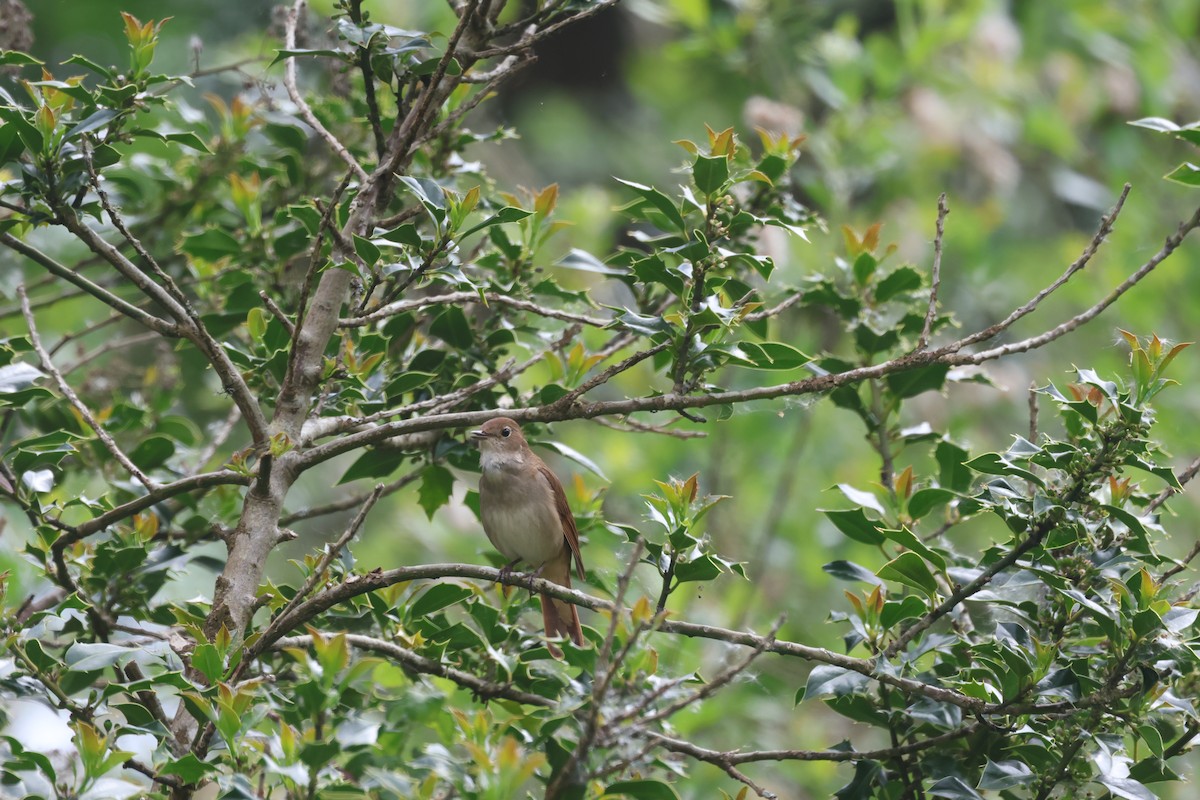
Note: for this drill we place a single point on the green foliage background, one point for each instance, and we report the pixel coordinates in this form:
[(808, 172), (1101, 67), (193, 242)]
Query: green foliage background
[(1017, 110)]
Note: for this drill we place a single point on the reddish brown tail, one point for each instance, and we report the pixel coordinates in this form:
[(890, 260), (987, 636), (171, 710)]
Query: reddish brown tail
[(560, 618)]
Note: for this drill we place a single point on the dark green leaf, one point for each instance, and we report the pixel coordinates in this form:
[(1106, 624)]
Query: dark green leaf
[(211, 244), (772, 355), (642, 790), (925, 500), (952, 470), (906, 538), (1005, 775), (903, 279), (854, 523), (437, 483), (152, 452), (710, 173), (437, 597), (913, 382), (849, 571), (660, 202), (1186, 173), (911, 570), (828, 680), (586, 262), (452, 327), (894, 611), (372, 464), (189, 768), (953, 788), (506, 214), (206, 659)]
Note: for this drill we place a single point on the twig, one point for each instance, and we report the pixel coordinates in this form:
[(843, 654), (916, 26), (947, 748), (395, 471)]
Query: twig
[(935, 279), (217, 439), (110, 346), (1185, 738), (1032, 343), (528, 41), (453, 298), (717, 682), (289, 83), (631, 425), (947, 354), (368, 74), (109, 444), (427, 666), (1033, 412), (605, 375), (190, 325), (347, 503), (331, 552), (152, 322), (274, 308), (1183, 478), (605, 669), (1106, 225), (714, 757), (165, 780), (773, 311), (752, 756), (160, 493), (1183, 562)]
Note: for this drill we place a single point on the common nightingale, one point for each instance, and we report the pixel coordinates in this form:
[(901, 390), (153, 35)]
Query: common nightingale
[(525, 515)]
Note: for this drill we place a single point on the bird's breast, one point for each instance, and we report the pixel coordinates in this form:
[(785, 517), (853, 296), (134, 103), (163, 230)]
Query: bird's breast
[(520, 516)]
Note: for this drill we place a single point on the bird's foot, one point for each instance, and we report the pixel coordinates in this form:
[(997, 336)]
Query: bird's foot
[(507, 570)]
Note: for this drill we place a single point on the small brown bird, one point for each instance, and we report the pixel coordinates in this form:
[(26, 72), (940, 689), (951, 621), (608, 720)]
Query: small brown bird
[(526, 517)]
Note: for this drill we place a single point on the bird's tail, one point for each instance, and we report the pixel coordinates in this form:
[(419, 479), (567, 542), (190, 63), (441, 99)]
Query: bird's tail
[(560, 618)]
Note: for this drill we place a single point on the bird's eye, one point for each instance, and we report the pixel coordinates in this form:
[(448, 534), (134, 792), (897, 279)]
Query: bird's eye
[(505, 432)]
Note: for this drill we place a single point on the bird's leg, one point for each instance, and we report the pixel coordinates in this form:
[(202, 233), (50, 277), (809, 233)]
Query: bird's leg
[(507, 570)]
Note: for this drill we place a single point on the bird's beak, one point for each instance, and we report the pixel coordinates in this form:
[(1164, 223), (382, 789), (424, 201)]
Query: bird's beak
[(478, 435)]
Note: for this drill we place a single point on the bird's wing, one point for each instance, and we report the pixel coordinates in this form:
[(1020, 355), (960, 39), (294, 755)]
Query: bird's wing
[(570, 532)]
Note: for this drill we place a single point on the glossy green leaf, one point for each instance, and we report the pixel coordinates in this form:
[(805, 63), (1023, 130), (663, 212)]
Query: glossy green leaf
[(911, 570)]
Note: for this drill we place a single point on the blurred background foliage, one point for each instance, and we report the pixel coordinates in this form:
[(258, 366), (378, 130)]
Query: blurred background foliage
[(1018, 110)]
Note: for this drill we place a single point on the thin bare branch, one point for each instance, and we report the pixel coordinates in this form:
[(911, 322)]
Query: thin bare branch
[(165, 491), (1184, 477), (348, 503), (935, 278), (289, 83), (331, 552), (484, 689), (456, 298), (109, 444), (775, 310), (948, 354), (152, 322), (752, 756), (110, 346), (1032, 343), (633, 426), (605, 375), (1093, 246), (274, 308), (218, 438), (190, 326), (526, 42), (361, 584)]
